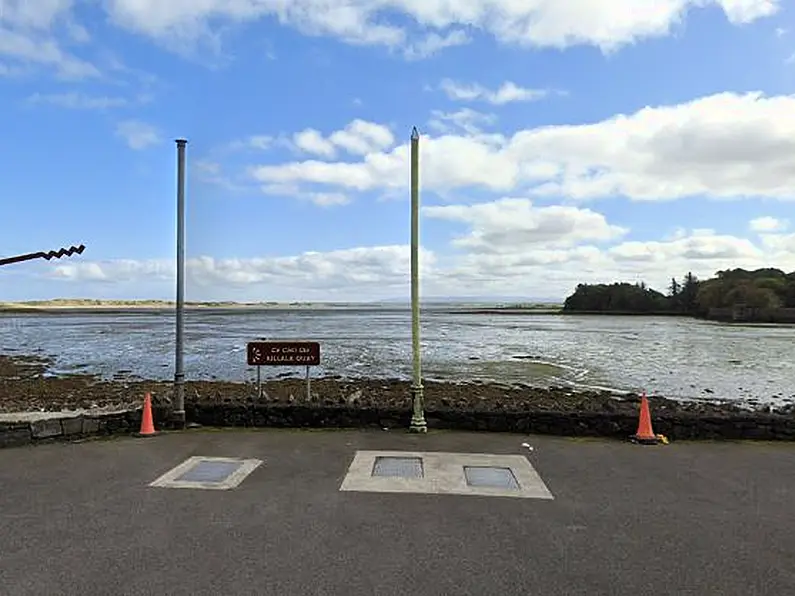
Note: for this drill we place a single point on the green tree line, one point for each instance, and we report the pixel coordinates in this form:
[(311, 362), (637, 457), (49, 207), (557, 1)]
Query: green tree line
[(762, 288)]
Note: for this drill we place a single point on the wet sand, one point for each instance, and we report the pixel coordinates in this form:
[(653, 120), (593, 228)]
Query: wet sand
[(26, 386)]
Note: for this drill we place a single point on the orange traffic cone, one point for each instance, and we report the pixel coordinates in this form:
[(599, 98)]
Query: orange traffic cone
[(645, 434), (147, 424)]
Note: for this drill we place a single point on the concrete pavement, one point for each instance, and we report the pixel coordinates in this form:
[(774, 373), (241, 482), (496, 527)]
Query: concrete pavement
[(687, 518)]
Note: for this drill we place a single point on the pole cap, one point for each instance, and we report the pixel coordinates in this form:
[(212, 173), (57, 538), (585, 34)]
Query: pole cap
[(415, 135), (182, 141)]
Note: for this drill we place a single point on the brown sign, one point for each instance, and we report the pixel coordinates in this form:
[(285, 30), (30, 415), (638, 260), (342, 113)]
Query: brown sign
[(283, 353)]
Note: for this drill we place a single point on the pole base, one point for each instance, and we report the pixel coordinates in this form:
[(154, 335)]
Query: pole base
[(418, 426), (178, 420)]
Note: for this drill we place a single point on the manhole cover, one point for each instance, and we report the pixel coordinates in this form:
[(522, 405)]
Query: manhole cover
[(209, 471), (401, 467), (490, 477)]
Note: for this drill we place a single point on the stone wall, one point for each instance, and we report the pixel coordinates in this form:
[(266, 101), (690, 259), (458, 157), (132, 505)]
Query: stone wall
[(44, 428), (595, 424), (776, 427)]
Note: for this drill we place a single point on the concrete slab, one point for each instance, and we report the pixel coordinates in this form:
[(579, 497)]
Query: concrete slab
[(185, 476), (444, 474), (11, 417), (689, 519)]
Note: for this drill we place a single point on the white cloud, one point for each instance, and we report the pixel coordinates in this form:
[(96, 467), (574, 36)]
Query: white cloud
[(434, 43), (556, 23), (746, 11), (545, 270), (328, 199), (781, 244), (513, 224), (466, 119), (118, 271), (699, 245), (312, 141), (79, 101), (768, 224), (723, 146), (416, 27), (537, 262), (508, 247), (33, 14), (349, 269), (361, 137), (137, 134), (27, 36), (508, 92), (84, 272), (26, 47), (358, 138), (449, 159)]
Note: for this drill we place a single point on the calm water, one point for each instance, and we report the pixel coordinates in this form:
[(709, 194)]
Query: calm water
[(674, 357)]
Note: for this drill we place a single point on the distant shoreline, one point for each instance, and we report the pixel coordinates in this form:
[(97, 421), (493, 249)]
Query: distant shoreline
[(65, 305), (97, 303), (560, 311), (61, 305), (126, 306), (89, 305)]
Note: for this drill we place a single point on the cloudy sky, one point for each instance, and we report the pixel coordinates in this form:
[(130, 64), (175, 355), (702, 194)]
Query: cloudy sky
[(563, 141)]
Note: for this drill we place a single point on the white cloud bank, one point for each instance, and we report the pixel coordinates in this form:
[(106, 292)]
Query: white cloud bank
[(557, 23), (34, 31), (507, 247), (724, 146)]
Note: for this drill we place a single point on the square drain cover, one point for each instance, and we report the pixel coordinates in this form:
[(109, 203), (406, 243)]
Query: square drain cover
[(398, 467), (210, 471), (219, 473), (490, 477)]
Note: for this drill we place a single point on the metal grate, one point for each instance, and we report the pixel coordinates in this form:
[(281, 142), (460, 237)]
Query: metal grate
[(398, 467), (209, 471), (490, 477)]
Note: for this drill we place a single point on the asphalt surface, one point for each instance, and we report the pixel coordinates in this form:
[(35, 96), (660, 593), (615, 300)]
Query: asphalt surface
[(682, 519)]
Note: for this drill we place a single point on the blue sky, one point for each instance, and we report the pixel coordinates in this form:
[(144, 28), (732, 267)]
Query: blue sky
[(560, 144)]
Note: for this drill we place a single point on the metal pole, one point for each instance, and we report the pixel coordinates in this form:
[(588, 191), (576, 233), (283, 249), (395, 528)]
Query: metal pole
[(308, 386), (179, 372), (259, 383), (418, 424)]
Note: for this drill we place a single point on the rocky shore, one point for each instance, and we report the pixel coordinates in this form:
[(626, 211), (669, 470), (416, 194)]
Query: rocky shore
[(26, 387)]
